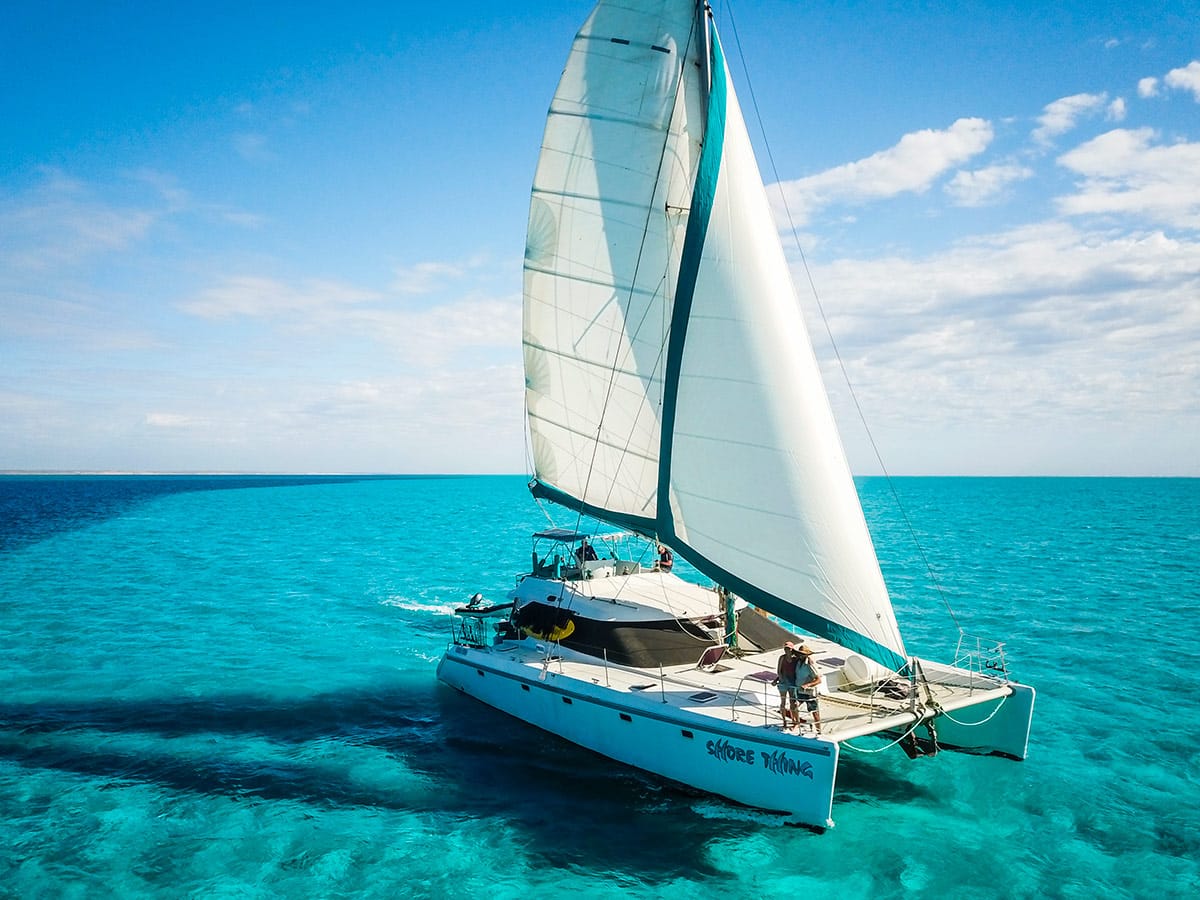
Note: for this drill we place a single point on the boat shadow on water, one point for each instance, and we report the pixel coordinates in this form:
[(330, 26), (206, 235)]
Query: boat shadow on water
[(408, 748), (37, 507)]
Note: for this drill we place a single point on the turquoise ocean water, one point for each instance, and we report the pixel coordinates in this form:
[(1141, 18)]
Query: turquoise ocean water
[(224, 687)]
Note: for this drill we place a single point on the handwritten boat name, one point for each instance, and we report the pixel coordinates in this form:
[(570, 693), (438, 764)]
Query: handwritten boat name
[(781, 764), (776, 761), (728, 752)]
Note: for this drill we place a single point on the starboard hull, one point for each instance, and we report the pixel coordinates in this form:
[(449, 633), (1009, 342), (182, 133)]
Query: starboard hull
[(997, 728)]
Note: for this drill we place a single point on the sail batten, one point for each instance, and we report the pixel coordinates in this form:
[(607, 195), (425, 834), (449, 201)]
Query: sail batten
[(626, 290), (610, 119), (567, 195), (671, 384)]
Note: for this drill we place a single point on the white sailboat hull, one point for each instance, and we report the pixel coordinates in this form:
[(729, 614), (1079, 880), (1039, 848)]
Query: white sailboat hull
[(752, 765)]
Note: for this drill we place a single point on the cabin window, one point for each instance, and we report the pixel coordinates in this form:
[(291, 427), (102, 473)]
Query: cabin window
[(567, 700), (626, 717), (524, 687), (687, 734)]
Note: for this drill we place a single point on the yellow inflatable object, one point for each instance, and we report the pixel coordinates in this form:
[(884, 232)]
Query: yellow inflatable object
[(555, 634)]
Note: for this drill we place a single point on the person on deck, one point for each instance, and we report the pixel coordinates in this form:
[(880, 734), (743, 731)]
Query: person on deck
[(785, 678), (808, 679), (585, 552), (666, 558)]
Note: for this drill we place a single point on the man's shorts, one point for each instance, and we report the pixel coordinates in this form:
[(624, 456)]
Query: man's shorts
[(808, 699)]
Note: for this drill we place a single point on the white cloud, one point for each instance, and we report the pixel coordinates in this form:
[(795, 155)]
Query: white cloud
[(171, 420), (982, 186), (912, 165), (1019, 337), (341, 315), (259, 297), (1186, 78), (426, 277), (242, 219), (1125, 173), (1061, 116), (448, 420), (61, 223), (1111, 43), (1147, 87), (252, 147), (1116, 110)]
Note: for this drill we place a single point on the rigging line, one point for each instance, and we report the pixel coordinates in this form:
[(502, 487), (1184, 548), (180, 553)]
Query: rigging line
[(846, 743), (829, 331), (633, 336), (947, 715), (656, 371)]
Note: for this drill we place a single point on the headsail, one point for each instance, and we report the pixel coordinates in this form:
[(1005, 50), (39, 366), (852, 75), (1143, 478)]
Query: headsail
[(670, 382)]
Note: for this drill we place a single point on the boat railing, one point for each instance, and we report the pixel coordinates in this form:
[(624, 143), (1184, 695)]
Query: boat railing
[(471, 632), (763, 679), (981, 657), (478, 624)]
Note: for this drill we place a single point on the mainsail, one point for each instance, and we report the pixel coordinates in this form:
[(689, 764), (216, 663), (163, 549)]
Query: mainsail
[(671, 386)]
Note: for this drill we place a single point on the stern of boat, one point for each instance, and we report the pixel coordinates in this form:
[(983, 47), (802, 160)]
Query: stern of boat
[(998, 727)]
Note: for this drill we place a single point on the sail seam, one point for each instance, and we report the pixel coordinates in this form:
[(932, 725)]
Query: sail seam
[(590, 435), (582, 361), (583, 279), (722, 441), (597, 117), (571, 195)]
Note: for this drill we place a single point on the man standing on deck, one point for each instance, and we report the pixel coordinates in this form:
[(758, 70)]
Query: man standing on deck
[(808, 679), (785, 677)]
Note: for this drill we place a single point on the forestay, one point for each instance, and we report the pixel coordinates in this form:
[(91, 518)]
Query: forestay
[(665, 351)]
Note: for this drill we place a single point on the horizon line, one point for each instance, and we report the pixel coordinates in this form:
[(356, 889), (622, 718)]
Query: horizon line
[(234, 473)]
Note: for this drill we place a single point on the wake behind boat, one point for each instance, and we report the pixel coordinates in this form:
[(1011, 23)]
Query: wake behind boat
[(672, 391)]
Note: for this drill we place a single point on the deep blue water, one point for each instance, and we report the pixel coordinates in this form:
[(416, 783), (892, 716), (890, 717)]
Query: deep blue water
[(224, 687)]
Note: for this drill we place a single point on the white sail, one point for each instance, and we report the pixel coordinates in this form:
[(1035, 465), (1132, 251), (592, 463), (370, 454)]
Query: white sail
[(665, 351), (606, 227)]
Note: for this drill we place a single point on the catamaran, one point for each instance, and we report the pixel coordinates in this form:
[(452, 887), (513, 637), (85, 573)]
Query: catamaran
[(672, 392)]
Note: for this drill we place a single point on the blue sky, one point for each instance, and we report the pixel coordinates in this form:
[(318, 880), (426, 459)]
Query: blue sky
[(288, 238)]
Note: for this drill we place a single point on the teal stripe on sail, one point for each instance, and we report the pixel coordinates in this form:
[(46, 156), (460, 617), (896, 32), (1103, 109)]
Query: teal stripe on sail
[(708, 171), (801, 618), (643, 525)]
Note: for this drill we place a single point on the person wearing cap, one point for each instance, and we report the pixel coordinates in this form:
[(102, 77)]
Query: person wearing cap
[(785, 678), (807, 681), (585, 552)]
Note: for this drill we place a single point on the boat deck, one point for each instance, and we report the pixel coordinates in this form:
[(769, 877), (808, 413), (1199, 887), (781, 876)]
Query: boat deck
[(740, 689)]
